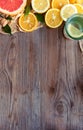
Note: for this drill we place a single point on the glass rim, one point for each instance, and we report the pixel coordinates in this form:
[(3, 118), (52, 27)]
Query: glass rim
[(67, 22)]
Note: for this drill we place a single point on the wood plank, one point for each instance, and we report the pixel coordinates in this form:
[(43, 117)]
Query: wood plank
[(41, 82)]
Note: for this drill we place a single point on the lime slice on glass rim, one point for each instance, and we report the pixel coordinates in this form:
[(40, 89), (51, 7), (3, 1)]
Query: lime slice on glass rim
[(74, 31)]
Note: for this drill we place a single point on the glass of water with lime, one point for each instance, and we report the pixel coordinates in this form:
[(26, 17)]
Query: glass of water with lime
[(73, 28)]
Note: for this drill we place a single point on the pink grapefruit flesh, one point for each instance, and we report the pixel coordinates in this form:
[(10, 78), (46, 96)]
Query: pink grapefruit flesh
[(12, 7)]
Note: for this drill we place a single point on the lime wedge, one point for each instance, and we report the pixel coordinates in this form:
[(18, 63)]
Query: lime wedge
[(74, 31)]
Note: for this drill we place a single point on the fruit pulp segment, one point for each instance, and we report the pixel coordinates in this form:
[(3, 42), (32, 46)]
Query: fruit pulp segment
[(28, 22), (74, 31), (54, 18), (10, 5), (40, 5)]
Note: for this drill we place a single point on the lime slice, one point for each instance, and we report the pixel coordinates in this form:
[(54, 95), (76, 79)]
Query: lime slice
[(67, 11), (74, 31)]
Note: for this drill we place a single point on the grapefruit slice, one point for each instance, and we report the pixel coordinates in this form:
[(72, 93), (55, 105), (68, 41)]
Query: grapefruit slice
[(12, 7)]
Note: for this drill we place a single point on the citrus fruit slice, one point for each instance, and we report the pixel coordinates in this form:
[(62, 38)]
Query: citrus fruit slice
[(28, 23), (79, 2), (40, 6), (53, 18), (79, 8), (74, 31), (67, 11), (12, 7), (59, 3)]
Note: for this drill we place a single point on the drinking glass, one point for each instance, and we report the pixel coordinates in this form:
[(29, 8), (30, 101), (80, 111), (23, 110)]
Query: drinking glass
[(73, 28)]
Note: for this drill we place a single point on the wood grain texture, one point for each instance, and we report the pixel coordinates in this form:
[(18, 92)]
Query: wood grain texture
[(41, 81)]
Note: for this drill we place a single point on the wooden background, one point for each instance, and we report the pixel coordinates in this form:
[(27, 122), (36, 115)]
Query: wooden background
[(41, 81)]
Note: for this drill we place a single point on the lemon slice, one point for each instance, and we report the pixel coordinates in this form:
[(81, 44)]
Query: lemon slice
[(79, 1), (67, 11), (40, 6), (74, 31), (53, 18), (79, 8), (28, 23)]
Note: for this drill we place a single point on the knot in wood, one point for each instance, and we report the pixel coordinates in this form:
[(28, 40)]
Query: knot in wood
[(61, 108)]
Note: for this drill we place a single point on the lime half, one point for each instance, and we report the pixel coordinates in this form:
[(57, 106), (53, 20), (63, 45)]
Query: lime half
[(74, 31)]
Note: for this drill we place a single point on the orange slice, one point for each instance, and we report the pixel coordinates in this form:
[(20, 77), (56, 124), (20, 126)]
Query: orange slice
[(79, 8), (28, 23), (40, 6), (53, 18), (59, 3), (67, 11)]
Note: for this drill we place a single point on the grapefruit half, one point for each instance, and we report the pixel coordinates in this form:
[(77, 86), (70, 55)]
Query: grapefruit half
[(12, 7)]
